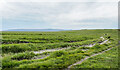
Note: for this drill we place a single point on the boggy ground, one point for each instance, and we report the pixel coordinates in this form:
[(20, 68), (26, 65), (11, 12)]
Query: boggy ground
[(65, 48)]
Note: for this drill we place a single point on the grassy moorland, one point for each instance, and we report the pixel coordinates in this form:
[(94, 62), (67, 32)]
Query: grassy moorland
[(68, 47), (109, 59)]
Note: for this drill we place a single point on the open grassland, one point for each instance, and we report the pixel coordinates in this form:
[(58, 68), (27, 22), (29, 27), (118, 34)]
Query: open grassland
[(58, 49), (108, 59)]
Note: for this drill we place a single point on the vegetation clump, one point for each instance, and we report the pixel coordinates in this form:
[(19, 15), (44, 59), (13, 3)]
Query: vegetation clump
[(21, 56), (69, 47)]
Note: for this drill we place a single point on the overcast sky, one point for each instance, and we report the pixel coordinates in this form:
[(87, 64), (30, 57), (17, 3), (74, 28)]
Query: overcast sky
[(59, 15)]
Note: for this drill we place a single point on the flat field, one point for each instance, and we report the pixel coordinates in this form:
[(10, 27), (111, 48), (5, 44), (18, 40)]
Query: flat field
[(60, 50)]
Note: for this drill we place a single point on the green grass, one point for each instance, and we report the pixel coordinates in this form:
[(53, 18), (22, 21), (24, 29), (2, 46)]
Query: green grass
[(17, 47), (21, 56), (108, 59), (59, 60)]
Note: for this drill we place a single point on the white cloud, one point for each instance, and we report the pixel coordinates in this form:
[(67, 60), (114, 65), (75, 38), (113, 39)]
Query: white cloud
[(61, 14), (79, 13), (61, 0)]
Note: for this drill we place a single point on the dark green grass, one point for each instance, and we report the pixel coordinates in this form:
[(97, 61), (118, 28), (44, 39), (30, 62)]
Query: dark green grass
[(16, 43), (16, 48), (109, 59)]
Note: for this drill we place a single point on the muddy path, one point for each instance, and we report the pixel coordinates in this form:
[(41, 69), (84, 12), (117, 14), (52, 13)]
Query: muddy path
[(40, 57), (58, 49), (79, 62), (48, 50)]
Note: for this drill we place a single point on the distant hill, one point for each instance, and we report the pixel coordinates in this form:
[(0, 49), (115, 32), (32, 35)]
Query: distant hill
[(36, 30)]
